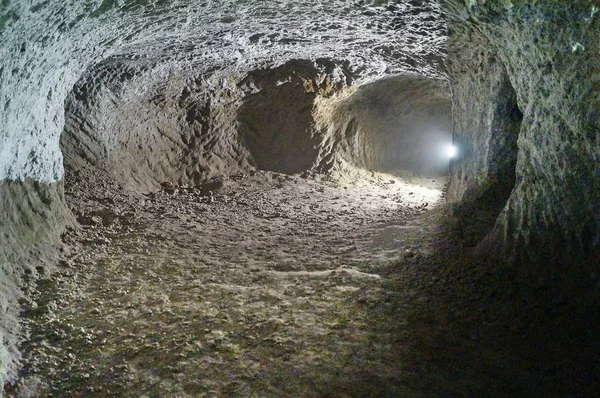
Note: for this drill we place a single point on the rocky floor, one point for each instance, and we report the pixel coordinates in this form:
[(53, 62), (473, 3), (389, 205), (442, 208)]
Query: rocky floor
[(269, 285), (263, 285)]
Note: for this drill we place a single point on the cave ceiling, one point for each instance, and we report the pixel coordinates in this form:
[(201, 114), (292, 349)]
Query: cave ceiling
[(48, 45)]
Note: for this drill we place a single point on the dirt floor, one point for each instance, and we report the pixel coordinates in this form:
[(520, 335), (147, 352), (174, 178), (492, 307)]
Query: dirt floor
[(269, 285)]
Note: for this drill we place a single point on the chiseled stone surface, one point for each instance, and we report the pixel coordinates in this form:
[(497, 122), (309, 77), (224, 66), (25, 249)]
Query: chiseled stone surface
[(47, 46), (397, 123), (141, 88), (526, 96), (189, 128)]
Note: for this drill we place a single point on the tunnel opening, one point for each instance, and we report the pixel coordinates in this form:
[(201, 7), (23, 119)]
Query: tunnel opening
[(399, 125), (205, 134), (279, 139), (250, 225), (275, 121), (299, 117)]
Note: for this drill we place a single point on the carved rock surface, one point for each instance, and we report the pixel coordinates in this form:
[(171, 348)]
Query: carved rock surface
[(48, 46), (159, 93), (175, 92), (526, 98)]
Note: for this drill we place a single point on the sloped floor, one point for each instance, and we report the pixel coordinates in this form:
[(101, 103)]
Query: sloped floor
[(270, 285)]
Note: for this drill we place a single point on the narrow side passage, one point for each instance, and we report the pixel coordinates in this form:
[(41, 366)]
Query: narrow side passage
[(400, 124), (276, 123)]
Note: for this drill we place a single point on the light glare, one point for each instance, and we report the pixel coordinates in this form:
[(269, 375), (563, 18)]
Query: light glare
[(451, 151)]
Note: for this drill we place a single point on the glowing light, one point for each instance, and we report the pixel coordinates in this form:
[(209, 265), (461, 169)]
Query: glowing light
[(451, 151)]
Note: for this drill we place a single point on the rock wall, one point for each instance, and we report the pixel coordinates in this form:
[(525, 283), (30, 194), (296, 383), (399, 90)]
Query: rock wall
[(546, 53), (144, 130), (47, 47), (187, 129), (32, 217), (151, 95)]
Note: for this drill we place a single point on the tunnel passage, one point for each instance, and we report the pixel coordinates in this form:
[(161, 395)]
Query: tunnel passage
[(547, 47), (174, 256), (398, 124)]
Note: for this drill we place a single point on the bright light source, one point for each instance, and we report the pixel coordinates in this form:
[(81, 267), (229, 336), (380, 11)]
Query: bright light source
[(451, 151)]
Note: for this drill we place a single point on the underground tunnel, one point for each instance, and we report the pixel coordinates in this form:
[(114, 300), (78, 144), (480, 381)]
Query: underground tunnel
[(299, 198)]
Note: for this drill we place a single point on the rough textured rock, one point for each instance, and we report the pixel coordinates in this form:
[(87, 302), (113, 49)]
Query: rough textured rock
[(485, 130), (47, 47), (181, 131), (155, 92), (289, 118), (546, 52), (32, 216)]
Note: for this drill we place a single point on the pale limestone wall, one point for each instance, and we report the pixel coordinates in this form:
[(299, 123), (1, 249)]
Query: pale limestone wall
[(401, 123)]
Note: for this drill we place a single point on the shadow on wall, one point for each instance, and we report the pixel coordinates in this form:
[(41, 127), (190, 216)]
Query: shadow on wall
[(484, 175), (276, 123), (276, 126), (550, 221)]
